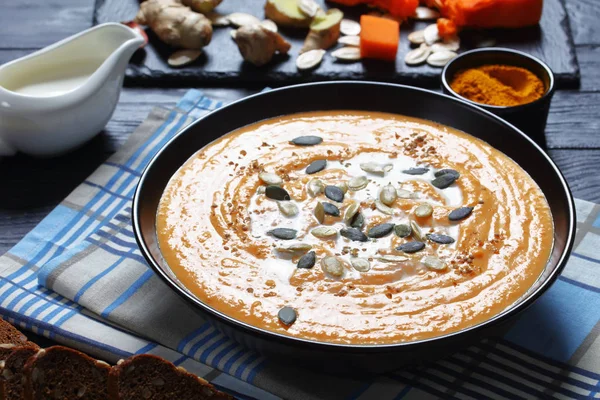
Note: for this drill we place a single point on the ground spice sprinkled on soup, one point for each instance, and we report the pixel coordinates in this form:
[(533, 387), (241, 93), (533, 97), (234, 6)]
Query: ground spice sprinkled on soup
[(354, 227)]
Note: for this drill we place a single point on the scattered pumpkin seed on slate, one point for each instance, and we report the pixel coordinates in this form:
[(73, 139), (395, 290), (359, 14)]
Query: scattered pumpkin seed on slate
[(354, 234), (315, 187), (308, 140), (434, 263), (334, 193), (270, 178), (402, 230), (358, 221), (447, 171), (287, 315), (287, 208), (416, 231), (324, 232), (331, 209), (443, 181), (277, 193), (308, 260), (350, 212), (439, 238), (360, 264), (388, 195), (316, 166), (358, 183), (295, 248), (416, 171), (319, 212), (283, 233), (381, 230), (383, 208), (332, 266), (460, 213), (411, 247), (424, 211)]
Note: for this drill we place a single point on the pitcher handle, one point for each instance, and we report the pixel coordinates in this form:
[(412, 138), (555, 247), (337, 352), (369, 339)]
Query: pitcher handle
[(6, 149)]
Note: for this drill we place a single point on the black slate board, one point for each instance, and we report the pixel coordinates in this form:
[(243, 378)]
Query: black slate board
[(222, 64)]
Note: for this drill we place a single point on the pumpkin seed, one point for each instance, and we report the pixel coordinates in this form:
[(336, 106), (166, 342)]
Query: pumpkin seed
[(261, 190), (446, 171), (316, 166), (233, 33), (309, 140), (460, 213), (288, 208), (383, 208), (351, 211), (416, 231), (331, 209), (295, 248), (358, 221), (283, 233), (424, 211), (315, 187), (417, 56), (354, 234), (375, 168), (183, 57), (353, 41), (360, 264), (402, 230), (431, 34), (434, 263), (358, 183), (390, 258), (443, 181), (334, 193), (388, 195), (426, 14), (277, 193), (484, 42), (323, 232), (308, 7), (310, 59), (405, 194), (349, 27), (287, 315), (319, 212), (343, 186), (269, 25), (307, 261), (416, 171), (411, 247), (270, 178), (347, 53), (238, 19), (332, 266), (440, 58), (452, 44), (381, 230), (439, 238), (417, 37)]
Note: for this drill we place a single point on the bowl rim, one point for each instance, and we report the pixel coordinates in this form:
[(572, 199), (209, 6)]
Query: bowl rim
[(525, 301), (517, 54)]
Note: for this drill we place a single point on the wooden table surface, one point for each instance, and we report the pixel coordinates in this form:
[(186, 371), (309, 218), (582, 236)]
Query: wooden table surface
[(31, 188)]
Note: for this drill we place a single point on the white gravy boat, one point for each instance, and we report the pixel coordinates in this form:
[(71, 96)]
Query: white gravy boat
[(59, 97)]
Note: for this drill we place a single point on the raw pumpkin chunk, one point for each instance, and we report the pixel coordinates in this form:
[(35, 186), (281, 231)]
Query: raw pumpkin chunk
[(446, 28), (493, 13), (379, 38)]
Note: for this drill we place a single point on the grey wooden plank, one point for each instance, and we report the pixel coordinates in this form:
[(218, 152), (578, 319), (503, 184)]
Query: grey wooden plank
[(589, 62), (584, 16), (580, 168), (573, 121), (36, 24)]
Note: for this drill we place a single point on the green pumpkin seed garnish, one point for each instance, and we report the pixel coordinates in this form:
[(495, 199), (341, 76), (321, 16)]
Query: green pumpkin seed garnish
[(331, 209), (343, 186), (295, 248), (283, 233), (307, 140), (287, 316), (334, 193), (416, 171), (354, 234), (460, 213), (424, 211), (316, 166), (383, 208), (288, 208), (307, 261), (360, 264), (332, 266), (270, 178), (434, 263), (376, 169), (324, 232), (277, 193), (402, 230), (319, 212), (447, 171), (388, 195), (315, 187), (381, 230), (439, 238), (411, 247), (416, 231), (351, 211), (358, 183), (358, 221), (443, 181)]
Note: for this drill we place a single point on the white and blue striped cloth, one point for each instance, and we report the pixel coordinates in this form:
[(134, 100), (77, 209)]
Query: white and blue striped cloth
[(80, 279)]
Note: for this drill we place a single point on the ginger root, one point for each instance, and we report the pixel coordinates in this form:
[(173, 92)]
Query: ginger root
[(175, 24), (324, 31), (286, 13), (202, 6), (258, 45)]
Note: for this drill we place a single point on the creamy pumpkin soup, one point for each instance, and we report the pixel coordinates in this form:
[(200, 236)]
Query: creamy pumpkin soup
[(354, 227)]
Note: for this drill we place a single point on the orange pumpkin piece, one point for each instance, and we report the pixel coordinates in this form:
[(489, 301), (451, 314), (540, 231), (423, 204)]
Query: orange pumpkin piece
[(446, 27), (379, 38), (493, 13)]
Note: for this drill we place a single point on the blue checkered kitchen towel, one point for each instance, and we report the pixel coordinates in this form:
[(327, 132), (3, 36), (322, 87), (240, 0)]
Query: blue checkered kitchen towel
[(79, 279)]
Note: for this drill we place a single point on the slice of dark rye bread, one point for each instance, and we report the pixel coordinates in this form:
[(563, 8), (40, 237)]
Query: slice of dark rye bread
[(148, 377), (11, 376), (60, 373), (9, 338)]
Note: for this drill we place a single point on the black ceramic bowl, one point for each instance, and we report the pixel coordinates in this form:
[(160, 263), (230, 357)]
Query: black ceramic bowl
[(530, 118), (353, 96)]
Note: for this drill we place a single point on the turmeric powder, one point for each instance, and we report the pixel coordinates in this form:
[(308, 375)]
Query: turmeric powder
[(498, 85)]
